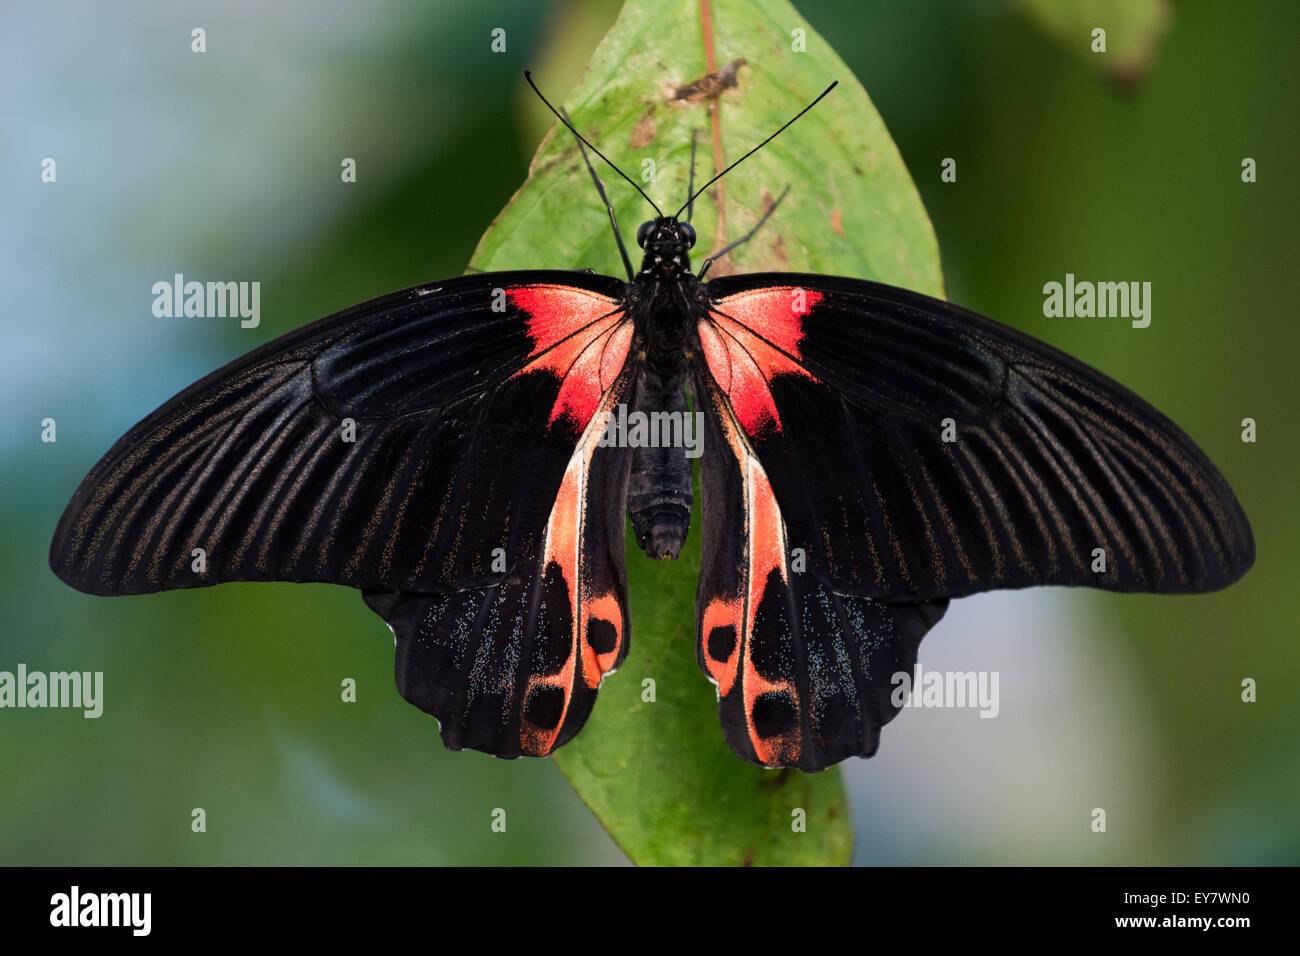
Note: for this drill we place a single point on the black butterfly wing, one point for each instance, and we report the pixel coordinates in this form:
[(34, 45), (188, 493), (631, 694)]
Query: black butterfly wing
[(473, 507), (464, 402), (513, 668), (803, 671), (843, 387)]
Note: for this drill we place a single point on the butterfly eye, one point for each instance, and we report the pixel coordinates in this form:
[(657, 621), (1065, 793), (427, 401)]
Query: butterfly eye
[(643, 234), (687, 232)]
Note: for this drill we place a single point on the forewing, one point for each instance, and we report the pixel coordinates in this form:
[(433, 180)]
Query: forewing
[(804, 672), (393, 446), (844, 389)]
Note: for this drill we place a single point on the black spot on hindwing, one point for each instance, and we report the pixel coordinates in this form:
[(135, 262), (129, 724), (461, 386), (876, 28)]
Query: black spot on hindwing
[(722, 641), (601, 635), (774, 714), (545, 706)]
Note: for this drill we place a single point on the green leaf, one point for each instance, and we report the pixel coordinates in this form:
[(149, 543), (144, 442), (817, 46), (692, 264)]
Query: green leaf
[(659, 775), (1133, 30)]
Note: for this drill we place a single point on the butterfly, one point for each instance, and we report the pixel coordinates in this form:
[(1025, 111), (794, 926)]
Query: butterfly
[(451, 450)]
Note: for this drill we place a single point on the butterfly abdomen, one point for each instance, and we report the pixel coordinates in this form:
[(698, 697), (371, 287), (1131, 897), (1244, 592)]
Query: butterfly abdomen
[(660, 433)]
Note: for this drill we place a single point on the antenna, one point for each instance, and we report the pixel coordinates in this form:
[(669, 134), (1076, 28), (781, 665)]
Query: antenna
[(690, 185), (529, 77), (751, 152)]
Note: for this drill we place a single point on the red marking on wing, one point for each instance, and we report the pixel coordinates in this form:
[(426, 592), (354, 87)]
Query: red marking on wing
[(556, 312), (721, 613), (782, 751), (592, 373), (565, 522), (563, 548), (766, 533), (776, 313), (581, 338), (765, 552), (603, 608), (751, 338), (563, 537), (539, 741)]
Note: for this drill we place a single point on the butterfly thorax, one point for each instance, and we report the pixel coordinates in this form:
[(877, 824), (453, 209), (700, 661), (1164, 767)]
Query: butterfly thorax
[(664, 299)]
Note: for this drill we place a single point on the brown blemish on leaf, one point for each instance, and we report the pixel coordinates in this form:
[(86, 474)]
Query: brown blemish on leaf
[(1128, 78), (749, 857), (709, 88), (837, 221), (723, 267), (710, 85), (644, 133), (777, 780), (779, 255)]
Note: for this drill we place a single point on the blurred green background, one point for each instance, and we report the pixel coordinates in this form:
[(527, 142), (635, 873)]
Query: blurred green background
[(225, 165)]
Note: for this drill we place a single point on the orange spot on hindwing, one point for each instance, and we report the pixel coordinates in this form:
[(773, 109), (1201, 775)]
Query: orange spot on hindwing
[(589, 646), (721, 626), (745, 636), (602, 637), (771, 704)]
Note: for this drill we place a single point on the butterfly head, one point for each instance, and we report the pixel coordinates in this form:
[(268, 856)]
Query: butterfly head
[(667, 244)]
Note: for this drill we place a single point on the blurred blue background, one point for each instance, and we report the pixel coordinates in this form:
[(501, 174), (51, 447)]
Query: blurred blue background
[(226, 166)]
